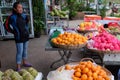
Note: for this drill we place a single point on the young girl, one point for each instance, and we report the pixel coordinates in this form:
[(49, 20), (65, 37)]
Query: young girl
[(17, 24)]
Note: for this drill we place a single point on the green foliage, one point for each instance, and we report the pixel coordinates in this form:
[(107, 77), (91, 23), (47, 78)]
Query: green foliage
[(81, 7), (38, 25), (38, 9), (117, 15), (71, 5), (38, 15), (103, 12)]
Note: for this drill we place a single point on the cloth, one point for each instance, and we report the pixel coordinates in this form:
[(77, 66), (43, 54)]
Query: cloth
[(21, 51)]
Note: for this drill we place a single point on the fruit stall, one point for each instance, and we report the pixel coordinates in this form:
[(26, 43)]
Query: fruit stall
[(92, 36)]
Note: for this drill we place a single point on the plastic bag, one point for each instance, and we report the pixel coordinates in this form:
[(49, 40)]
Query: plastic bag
[(60, 75)]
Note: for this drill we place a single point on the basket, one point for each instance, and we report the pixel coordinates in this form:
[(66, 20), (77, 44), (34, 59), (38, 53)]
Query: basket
[(86, 31), (70, 46), (103, 52), (85, 59)]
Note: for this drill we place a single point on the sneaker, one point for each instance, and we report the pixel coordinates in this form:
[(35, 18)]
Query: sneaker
[(18, 69), (27, 65)]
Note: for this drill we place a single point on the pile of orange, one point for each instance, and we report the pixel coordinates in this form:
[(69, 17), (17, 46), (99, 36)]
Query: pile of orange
[(88, 71), (68, 38)]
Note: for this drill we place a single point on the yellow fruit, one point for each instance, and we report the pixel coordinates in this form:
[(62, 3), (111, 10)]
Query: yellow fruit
[(82, 25)]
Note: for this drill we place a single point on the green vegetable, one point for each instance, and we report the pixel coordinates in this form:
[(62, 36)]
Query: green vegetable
[(27, 76), (1, 74), (8, 72), (33, 72), (22, 71), (6, 78), (16, 76)]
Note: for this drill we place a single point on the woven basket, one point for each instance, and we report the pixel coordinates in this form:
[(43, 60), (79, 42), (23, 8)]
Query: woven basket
[(104, 52), (86, 31), (70, 46), (85, 59)]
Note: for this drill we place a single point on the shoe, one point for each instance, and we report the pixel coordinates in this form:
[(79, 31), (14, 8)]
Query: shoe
[(27, 65), (18, 69)]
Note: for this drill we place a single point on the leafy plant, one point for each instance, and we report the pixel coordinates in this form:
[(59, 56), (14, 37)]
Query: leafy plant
[(38, 15), (103, 12), (38, 25), (71, 5), (38, 9)]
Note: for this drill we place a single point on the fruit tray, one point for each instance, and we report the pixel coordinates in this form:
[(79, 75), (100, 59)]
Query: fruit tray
[(69, 46), (104, 52)]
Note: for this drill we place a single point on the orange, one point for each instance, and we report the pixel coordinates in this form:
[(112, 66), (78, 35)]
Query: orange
[(85, 70), (106, 78), (77, 74), (83, 63), (89, 73), (94, 68), (74, 78), (89, 62), (89, 65), (98, 67), (54, 40), (95, 76), (78, 69), (84, 77), (60, 35), (90, 78), (69, 39), (99, 78), (68, 67), (77, 66), (102, 73), (82, 67)]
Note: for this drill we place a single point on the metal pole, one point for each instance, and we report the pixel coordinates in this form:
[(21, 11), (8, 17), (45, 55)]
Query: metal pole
[(97, 7)]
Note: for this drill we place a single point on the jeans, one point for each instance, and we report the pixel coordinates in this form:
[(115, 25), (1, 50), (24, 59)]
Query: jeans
[(21, 51)]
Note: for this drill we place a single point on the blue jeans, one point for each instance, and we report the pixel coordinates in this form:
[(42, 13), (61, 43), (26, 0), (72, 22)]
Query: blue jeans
[(21, 52)]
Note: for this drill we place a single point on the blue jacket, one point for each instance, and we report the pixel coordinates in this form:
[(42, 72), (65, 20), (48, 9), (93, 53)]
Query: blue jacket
[(18, 25)]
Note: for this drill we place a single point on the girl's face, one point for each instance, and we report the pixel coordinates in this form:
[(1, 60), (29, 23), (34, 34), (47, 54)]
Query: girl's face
[(19, 9)]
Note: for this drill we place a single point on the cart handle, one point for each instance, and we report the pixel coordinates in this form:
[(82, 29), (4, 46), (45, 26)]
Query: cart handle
[(87, 59)]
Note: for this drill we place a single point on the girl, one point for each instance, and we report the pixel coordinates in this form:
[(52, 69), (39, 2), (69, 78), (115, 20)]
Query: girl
[(17, 24)]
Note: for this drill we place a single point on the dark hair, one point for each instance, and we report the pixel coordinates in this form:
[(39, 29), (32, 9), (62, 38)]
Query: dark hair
[(15, 6)]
